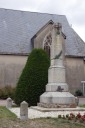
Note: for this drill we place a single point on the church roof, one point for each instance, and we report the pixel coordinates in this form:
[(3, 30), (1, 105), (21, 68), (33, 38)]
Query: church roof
[(18, 27)]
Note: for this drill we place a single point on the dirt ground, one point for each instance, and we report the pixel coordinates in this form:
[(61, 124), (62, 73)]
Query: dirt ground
[(38, 123)]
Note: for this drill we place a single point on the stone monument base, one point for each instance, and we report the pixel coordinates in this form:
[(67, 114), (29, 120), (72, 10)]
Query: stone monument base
[(45, 105), (57, 100)]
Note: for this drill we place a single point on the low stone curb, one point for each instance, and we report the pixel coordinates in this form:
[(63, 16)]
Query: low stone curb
[(56, 109)]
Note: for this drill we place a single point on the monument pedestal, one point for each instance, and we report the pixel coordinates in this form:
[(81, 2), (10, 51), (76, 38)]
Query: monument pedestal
[(57, 100), (57, 94)]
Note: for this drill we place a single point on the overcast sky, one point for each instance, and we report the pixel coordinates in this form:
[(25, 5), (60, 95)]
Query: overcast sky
[(73, 9)]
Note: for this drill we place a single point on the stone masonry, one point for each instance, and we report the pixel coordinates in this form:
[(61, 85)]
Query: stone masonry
[(57, 94)]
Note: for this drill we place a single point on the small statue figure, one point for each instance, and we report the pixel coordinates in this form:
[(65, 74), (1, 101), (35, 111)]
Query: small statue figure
[(59, 89)]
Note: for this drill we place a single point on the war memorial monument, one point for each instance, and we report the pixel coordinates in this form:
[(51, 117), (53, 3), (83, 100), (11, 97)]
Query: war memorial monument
[(57, 91)]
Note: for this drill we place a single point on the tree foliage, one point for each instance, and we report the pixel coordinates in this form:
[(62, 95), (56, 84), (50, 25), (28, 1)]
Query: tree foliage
[(33, 79)]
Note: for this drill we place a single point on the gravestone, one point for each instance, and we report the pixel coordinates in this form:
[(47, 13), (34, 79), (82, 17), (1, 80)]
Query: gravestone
[(57, 93), (24, 110), (9, 103)]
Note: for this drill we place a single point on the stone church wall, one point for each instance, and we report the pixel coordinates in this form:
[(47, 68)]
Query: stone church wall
[(75, 73), (10, 69), (12, 66)]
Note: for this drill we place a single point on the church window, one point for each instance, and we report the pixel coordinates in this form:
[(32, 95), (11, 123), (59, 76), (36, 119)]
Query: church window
[(47, 43)]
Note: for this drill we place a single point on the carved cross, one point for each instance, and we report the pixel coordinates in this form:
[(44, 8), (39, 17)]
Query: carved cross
[(58, 26)]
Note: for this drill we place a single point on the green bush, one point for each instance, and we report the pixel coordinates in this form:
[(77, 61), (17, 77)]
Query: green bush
[(33, 79), (78, 93), (83, 105), (6, 92)]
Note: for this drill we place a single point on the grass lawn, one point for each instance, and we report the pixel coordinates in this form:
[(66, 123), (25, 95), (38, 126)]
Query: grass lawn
[(9, 120), (5, 113)]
